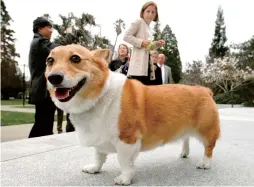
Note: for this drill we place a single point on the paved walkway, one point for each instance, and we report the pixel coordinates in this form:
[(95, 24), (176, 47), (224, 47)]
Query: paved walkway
[(17, 132), (16, 108), (57, 160)]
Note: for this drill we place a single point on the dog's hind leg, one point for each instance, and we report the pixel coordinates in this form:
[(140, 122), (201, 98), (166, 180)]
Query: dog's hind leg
[(100, 159), (185, 148), (205, 163), (208, 129), (126, 154), (209, 136)]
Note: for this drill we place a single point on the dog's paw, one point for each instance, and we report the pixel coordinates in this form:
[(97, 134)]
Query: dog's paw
[(91, 169), (184, 154), (204, 164), (122, 180)]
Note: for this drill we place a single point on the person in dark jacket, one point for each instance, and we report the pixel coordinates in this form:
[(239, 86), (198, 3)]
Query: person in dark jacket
[(39, 96), (121, 62)]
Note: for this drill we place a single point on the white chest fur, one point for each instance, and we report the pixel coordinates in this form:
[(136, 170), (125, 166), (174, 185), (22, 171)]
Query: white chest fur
[(98, 127)]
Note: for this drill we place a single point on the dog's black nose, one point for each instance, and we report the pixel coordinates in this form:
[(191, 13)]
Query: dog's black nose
[(56, 78)]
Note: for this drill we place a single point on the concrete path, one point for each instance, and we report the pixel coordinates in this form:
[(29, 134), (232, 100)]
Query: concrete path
[(17, 132), (58, 160), (16, 108)]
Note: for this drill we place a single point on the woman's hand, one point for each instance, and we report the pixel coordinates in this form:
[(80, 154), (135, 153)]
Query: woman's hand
[(160, 43), (145, 43)]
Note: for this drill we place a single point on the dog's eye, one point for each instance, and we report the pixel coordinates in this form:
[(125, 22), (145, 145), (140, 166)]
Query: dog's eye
[(50, 61), (75, 59)]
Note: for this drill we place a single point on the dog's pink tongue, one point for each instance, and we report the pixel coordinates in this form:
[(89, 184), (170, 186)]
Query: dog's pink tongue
[(62, 93)]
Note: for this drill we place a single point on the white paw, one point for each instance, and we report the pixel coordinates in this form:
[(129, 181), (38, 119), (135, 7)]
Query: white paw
[(123, 180), (184, 154), (92, 168), (204, 164)]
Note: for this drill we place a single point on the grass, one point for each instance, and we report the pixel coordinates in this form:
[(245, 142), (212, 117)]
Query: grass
[(13, 102), (18, 118)]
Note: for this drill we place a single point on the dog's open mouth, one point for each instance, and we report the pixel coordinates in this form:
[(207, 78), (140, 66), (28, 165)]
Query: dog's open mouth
[(65, 94)]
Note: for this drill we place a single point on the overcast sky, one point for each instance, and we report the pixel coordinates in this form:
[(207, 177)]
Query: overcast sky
[(192, 21)]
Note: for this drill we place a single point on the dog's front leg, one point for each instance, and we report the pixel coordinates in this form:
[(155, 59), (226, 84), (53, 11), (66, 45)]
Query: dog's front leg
[(126, 154), (100, 159)]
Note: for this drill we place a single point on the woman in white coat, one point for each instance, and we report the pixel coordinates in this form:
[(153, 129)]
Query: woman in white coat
[(140, 36)]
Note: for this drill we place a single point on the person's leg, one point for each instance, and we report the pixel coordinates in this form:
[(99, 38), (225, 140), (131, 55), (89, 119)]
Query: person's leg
[(44, 119), (51, 117), (69, 125), (60, 114)]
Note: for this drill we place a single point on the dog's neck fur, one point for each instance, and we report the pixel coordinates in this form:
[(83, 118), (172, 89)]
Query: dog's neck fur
[(79, 105)]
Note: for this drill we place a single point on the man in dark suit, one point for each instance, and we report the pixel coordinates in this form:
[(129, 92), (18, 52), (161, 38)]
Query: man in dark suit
[(166, 73), (39, 50)]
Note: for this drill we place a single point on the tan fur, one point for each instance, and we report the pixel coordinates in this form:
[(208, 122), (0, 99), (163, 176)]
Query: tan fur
[(162, 113), (114, 114), (92, 63), (156, 114)]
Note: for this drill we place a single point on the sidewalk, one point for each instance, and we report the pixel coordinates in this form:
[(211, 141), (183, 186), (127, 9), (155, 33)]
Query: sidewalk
[(57, 160), (16, 108), (17, 132)]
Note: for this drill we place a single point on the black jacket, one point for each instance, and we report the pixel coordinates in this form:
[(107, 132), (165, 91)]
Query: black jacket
[(116, 64), (39, 50)]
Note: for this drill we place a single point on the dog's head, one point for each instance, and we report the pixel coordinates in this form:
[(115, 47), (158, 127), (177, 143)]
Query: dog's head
[(75, 74)]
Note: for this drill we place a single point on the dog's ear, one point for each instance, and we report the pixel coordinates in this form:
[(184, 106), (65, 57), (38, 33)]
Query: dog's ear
[(101, 53)]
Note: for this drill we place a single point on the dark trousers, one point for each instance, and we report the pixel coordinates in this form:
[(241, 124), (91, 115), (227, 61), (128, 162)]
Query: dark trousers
[(60, 115), (144, 79), (44, 118), (69, 125)]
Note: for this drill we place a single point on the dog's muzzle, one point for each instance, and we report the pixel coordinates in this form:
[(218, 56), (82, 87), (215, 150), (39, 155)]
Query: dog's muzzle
[(62, 92), (56, 78)]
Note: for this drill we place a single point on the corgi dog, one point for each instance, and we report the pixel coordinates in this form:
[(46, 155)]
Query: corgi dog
[(115, 114)]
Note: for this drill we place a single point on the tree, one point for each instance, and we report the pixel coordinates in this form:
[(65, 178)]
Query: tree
[(157, 31), (67, 22), (119, 25), (246, 92), (100, 42), (11, 77), (245, 53), (225, 74), (218, 47), (170, 50), (86, 38), (47, 16), (81, 27), (193, 73)]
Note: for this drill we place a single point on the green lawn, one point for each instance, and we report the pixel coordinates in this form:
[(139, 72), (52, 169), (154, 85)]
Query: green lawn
[(18, 118), (13, 102)]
